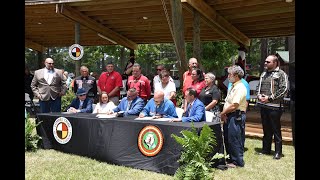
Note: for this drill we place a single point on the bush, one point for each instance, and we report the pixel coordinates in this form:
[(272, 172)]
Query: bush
[(67, 99), (195, 162), (31, 137)]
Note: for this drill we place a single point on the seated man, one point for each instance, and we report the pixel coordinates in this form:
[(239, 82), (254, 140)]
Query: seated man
[(130, 105), (81, 104), (159, 107), (195, 111)]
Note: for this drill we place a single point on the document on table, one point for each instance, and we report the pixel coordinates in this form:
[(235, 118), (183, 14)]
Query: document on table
[(153, 119), (106, 115)]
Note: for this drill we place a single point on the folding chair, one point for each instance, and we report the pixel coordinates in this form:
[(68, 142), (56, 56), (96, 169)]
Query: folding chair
[(29, 105)]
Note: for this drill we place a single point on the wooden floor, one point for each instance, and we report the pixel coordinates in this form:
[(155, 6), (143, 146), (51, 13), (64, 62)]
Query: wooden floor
[(254, 126)]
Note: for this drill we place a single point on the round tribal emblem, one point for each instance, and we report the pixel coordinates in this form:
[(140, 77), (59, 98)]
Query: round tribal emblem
[(76, 51), (62, 130), (150, 140)]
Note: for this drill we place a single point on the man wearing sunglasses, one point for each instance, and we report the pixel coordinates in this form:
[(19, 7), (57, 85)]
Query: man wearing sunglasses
[(48, 85), (272, 87)]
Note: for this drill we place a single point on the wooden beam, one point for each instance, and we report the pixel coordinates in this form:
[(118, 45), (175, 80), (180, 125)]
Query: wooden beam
[(79, 17), (35, 46), (219, 23)]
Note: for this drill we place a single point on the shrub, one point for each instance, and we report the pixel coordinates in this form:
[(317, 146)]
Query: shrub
[(67, 99), (195, 162), (31, 137)]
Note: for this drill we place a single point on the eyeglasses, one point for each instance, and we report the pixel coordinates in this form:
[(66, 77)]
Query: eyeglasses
[(267, 62), (159, 69), (193, 74), (50, 63), (82, 94)]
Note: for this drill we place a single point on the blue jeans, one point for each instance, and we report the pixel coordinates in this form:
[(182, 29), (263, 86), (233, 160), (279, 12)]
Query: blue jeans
[(234, 134)]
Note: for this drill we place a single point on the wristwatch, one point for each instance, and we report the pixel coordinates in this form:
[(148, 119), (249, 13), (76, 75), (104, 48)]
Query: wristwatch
[(270, 99)]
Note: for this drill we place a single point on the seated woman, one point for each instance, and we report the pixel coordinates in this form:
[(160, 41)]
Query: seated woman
[(81, 104), (104, 105)]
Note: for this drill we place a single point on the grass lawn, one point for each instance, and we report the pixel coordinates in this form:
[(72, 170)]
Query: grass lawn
[(51, 164)]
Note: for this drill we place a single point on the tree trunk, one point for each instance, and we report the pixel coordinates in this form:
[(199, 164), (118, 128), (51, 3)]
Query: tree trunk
[(264, 53)]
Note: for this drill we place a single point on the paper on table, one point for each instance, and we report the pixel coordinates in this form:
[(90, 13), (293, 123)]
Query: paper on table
[(106, 115), (153, 119)]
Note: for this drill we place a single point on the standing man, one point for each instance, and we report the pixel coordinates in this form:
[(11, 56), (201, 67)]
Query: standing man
[(140, 82), (48, 84), (272, 88), (187, 79), (110, 82), (86, 82), (234, 116)]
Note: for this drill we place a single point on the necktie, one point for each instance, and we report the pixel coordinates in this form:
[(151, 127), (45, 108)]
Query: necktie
[(128, 106), (188, 110)]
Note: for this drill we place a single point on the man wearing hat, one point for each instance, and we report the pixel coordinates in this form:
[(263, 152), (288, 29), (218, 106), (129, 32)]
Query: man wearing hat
[(81, 104), (110, 82)]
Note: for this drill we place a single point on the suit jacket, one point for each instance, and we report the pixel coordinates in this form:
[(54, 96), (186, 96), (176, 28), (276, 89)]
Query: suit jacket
[(43, 90), (196, 113), (86, 106), (135, 108)]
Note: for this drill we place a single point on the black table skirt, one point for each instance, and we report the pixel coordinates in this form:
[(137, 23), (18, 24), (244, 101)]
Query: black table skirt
[(116, 140)]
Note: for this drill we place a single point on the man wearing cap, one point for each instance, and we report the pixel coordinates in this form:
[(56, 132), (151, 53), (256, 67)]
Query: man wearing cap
[(87, 82), (81, 104), (110, 82), (48, 84)]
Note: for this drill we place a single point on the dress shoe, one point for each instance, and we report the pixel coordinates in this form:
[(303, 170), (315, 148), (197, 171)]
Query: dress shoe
[(277, 156)]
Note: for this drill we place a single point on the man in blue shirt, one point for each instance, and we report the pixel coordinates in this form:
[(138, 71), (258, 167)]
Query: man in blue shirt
[(130, 105), (196, 109), (159, 107)]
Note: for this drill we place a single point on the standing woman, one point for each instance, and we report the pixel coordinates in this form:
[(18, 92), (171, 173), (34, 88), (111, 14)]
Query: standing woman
[(210, 95), (166, 86), (104, 105)]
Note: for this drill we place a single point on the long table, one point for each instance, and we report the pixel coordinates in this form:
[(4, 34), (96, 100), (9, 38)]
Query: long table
[(115, 140)]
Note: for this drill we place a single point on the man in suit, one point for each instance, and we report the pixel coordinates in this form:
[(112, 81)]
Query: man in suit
[(48, 84), (159, 107), (130, 105), (82, 103), (195, 110)]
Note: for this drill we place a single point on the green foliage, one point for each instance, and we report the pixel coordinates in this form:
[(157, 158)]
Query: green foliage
[(31, 137), (179, 97), (67, 99), (195, 162)]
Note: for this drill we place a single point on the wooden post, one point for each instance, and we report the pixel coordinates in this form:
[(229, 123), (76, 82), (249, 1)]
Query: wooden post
[(292, 77), (77, 41), (178, 31), (196, 36)]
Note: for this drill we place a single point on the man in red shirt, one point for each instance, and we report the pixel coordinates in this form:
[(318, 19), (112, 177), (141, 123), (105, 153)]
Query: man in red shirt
[(140, 82), (187, 78), (110, 82)]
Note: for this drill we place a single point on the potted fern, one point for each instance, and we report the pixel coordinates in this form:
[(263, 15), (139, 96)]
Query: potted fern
[(195, 162)]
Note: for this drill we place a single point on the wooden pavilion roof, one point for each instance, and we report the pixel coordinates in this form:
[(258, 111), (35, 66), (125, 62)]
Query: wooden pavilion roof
[(132, 22)]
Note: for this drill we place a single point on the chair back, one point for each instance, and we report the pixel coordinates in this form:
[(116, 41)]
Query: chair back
[(179, 112), (209, 116)]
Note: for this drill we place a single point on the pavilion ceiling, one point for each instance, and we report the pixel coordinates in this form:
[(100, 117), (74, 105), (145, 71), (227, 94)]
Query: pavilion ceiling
[(133, 22)]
